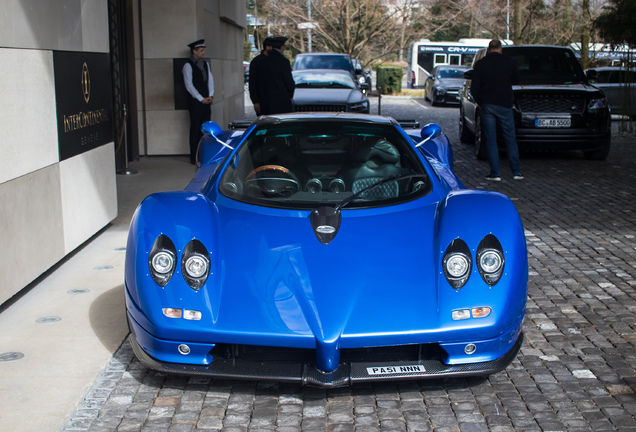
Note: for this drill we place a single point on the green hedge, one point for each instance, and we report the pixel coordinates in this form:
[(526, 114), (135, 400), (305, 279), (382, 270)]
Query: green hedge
[(389, 79)]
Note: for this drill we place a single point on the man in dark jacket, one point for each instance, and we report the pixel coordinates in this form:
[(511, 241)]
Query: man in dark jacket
[(255, 78), (492, 81), (277, 89)]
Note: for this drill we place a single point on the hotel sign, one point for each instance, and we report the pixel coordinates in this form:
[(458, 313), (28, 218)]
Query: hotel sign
[(83, 94)]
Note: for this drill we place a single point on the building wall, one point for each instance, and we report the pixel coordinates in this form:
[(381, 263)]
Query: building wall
[(167, 27), (47, 207)]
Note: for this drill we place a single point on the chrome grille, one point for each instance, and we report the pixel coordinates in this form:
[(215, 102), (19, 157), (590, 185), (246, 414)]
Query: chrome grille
[(551, 103), (323, 108)]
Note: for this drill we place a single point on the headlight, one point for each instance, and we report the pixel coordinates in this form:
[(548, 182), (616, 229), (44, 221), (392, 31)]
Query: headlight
[(457, 263), (195, 264), (161, 260), (597, 104), (439, 90), (490, 259), (360, 106)]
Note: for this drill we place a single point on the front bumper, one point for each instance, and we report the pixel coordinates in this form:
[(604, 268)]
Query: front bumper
[(301, 370)]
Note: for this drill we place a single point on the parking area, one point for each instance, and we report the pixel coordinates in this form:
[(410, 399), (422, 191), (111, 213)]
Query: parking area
[(576, 369)]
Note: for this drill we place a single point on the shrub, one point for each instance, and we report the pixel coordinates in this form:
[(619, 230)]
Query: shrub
[(389, 79)]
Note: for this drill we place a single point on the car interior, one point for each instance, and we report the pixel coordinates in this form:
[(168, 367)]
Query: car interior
[(322, 163)]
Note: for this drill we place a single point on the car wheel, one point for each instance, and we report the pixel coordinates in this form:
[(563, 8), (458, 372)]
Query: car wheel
[(434, 101), (600, 154), (480, 147), (464, 134)]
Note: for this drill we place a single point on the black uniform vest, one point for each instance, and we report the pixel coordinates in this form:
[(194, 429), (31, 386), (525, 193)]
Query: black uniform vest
[(200, 81)]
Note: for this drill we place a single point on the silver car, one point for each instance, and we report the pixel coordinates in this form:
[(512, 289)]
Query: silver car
[(615, 82)]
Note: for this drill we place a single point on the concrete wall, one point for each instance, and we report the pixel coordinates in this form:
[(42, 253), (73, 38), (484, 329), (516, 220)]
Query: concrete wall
[(167, 27), (47, 207)]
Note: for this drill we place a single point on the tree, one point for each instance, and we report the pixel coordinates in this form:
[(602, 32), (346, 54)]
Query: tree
[(364, 29), (617, 25), (617, 22)]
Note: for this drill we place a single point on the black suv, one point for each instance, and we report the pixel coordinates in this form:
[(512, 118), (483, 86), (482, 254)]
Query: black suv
[(555, 107)]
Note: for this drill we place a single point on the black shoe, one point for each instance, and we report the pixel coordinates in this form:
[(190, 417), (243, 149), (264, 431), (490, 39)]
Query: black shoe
[(493, 178)]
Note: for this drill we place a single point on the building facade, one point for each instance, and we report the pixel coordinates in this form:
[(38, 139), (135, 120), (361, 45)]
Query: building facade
[(86, 86)]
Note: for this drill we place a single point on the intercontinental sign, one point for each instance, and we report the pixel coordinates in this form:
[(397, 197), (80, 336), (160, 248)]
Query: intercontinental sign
[(84, 101)]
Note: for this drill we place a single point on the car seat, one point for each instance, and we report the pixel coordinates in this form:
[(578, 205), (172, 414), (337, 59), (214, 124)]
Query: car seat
[(373, 164)]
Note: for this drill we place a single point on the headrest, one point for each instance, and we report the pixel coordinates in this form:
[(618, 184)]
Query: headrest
[(382, 152)]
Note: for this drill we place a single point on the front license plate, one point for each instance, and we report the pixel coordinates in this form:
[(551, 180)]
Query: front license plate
[(387, 370), (552, 123)]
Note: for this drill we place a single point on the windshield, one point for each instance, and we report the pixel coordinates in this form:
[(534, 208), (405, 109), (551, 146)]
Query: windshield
[(451, 73), (546, 65), (323, 62), (304, 165), (323, 79)]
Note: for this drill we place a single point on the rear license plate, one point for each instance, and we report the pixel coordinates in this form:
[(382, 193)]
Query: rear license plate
[(387, 370), (552, 123)]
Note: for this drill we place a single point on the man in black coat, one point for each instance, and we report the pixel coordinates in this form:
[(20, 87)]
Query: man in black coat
[(491, 86), (255, 77), (277, 82)]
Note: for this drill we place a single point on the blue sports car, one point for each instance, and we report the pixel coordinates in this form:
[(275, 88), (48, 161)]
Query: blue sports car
[(326, 249)]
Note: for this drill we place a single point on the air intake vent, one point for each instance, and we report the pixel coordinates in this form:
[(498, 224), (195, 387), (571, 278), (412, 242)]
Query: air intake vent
[(320, 108)]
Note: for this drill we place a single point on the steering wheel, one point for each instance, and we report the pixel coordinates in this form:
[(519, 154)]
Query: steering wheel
[(273, 181)]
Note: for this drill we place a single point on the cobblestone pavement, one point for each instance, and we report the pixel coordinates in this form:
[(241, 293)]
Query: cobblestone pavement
[(575, 371)]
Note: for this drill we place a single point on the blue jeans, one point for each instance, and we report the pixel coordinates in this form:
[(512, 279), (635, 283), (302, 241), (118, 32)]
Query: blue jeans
[(491, 116)]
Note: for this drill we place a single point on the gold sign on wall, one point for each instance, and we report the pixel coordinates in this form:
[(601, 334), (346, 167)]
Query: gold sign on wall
[(83, 93)]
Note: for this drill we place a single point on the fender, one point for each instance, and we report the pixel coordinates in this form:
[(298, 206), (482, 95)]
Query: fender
[(471, 215)]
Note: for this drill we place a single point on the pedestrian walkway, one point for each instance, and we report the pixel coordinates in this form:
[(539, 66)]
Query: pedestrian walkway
[(61, 332)]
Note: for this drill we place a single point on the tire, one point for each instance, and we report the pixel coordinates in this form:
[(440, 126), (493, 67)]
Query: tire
[(481, 153), (600, 154), (464, 134)]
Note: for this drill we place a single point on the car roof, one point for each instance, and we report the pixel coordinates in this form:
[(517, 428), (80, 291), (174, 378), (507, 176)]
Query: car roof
[(611, 68), (323, 54), (337, 117), (326, 71), (452, 67)]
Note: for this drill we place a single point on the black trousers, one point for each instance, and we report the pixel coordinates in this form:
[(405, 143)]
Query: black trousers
[(199, 114)]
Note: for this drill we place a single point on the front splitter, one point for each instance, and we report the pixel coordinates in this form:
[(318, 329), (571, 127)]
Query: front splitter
[(346, 374)]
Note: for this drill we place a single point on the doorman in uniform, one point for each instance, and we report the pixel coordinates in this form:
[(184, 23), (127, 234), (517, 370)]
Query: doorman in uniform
[(198, 80)]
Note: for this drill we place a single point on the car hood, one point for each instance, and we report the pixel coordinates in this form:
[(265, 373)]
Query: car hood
[(305, 96), (537, 88), (276, 278), (451, 82)]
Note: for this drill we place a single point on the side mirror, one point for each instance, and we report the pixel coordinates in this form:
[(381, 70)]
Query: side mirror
[(429, 131), (591, 74), (211, 128), (468, 74)]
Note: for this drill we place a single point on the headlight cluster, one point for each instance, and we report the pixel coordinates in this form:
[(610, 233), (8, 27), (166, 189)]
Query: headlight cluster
[(439, 91), (360, 106), (597, 104), (458, 261), (195, 262)]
